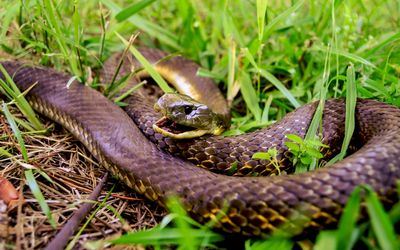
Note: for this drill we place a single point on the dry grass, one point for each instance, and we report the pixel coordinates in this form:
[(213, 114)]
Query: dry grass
[(75, 174)]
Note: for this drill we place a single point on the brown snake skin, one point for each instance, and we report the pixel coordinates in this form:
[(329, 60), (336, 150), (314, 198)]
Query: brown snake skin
[(254, 206)]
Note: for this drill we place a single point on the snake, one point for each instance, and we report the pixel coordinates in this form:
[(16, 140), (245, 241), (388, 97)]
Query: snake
[(245, 205)]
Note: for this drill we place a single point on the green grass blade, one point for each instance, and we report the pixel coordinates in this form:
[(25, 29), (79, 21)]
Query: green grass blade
[(348, 55), (347, 228), (114, 86), (103, 33), (30, 179), (187, 239), (231, 31), (394, 213), (270, 77), (284, 15), (165, 236), (184, 233), (132, 10), (371, 51), (233, 86), (13, 92), (249, 95), (381, 225), (4, 152), (76, 20), (272, 243), (335, 45), (315, 122), (261, 13), (378, 87), (59, 36), (279, 85), (128, 92), (148, 67), (326, 240), (351, 101), (9, 15), (16, 131), (265, 112), (45, 175), (149, 27)]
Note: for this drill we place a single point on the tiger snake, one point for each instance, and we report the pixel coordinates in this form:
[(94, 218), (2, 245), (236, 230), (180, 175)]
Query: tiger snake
[(252, 206)]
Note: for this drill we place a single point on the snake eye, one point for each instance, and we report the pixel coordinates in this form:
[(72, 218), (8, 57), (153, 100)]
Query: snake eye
[(188, 109)]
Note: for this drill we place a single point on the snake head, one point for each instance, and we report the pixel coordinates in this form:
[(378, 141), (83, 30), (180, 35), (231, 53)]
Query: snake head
[(184, 117)]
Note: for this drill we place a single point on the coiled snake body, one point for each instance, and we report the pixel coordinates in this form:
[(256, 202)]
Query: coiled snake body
[(248, 205)]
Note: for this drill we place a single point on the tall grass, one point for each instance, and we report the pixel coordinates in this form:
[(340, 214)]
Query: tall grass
[(269, 57)]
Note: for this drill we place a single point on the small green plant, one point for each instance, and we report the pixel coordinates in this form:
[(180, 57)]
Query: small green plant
[(304, 151), (271, 156)]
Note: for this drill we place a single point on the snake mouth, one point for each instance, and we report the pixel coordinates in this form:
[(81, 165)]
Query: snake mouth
[(169, 128)]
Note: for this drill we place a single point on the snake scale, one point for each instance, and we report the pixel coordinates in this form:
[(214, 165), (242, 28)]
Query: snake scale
[(256, 206)]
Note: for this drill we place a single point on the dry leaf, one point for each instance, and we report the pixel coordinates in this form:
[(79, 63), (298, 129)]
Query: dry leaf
[(8, 192)]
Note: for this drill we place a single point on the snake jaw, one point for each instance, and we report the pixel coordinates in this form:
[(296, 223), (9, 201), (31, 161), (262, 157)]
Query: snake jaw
[(173, 130), (185, 118)]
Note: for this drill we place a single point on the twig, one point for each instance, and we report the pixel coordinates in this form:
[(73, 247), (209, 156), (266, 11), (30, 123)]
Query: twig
[(61, 239)]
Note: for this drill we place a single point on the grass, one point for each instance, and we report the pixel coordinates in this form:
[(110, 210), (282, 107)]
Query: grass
[(268, 58)]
